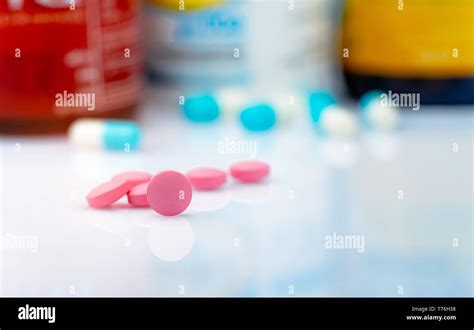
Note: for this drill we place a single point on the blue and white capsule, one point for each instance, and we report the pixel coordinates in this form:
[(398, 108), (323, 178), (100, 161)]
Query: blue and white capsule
[(332, 119), (209, 106), (376, 113), (288, 105), (119, 135)]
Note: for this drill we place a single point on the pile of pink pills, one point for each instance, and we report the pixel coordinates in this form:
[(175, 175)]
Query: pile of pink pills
[(170, 192)]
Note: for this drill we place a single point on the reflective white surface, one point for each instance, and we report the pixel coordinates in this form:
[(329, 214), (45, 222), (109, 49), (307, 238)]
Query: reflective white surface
[(408, 195)]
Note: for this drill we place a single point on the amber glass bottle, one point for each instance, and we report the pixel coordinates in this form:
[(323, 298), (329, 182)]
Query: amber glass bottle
[(415, 46)]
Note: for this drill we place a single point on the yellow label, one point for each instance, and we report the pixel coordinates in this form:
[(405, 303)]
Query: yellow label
[(409, 38), (185, 4)]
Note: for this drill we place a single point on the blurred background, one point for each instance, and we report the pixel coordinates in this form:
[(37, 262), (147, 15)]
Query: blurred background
[(393, 173)]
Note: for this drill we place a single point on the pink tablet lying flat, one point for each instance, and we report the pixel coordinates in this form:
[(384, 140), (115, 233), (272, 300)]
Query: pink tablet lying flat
[(249, 171), (137, 195), (107, 193), (206, 178), (169, 193), (134, 177)]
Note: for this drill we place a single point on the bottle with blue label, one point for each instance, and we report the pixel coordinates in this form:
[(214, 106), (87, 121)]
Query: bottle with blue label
[(227, 42)]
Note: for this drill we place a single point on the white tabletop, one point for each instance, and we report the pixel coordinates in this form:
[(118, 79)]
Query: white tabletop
[(408, 195)]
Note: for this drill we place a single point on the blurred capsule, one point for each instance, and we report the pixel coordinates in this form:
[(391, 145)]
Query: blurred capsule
[(207, 106), (260, 117), (339, 122), (105, 134), (288, 105), (332, 119), (231, 100), (201, 108), (318, 101), (376, 113)]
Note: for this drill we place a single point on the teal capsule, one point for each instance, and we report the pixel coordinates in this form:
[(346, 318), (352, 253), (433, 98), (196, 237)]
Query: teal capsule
[(318, 101), (259, 117), (201, 108), (120, 134)]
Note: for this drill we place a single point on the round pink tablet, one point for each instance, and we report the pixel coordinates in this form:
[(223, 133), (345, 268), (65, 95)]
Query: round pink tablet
[(249, 171), (137, 195), (107, 193), (169, 193), (133, 177), (206, 178)]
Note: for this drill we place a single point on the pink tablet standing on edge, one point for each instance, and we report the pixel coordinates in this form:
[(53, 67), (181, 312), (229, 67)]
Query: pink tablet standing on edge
[(250, 171), (108, 193), (137, 196), (169, 193), (206, 178)]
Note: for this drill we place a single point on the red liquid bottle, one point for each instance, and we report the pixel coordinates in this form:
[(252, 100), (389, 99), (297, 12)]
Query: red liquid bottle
[(64, 59)]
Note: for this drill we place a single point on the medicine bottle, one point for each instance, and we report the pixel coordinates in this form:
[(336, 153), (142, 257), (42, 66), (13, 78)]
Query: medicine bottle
[(64, 59), (410, 46)]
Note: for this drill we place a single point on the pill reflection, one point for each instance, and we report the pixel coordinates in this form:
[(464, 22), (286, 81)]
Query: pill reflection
[(209, 200), (171, 240), (337, 153), (383, 145), (250, 193)]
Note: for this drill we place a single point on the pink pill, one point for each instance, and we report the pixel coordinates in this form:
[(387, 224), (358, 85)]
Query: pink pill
[(206, 178), (169, 193), (249, 171), (137, 195), (107, 193), (134, 177)]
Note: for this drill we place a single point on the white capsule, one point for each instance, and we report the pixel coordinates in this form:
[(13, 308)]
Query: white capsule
[(377, 114), (338, 122), (86, 133), (231, 100), (382, 116), (105, 134), (288, 105)]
